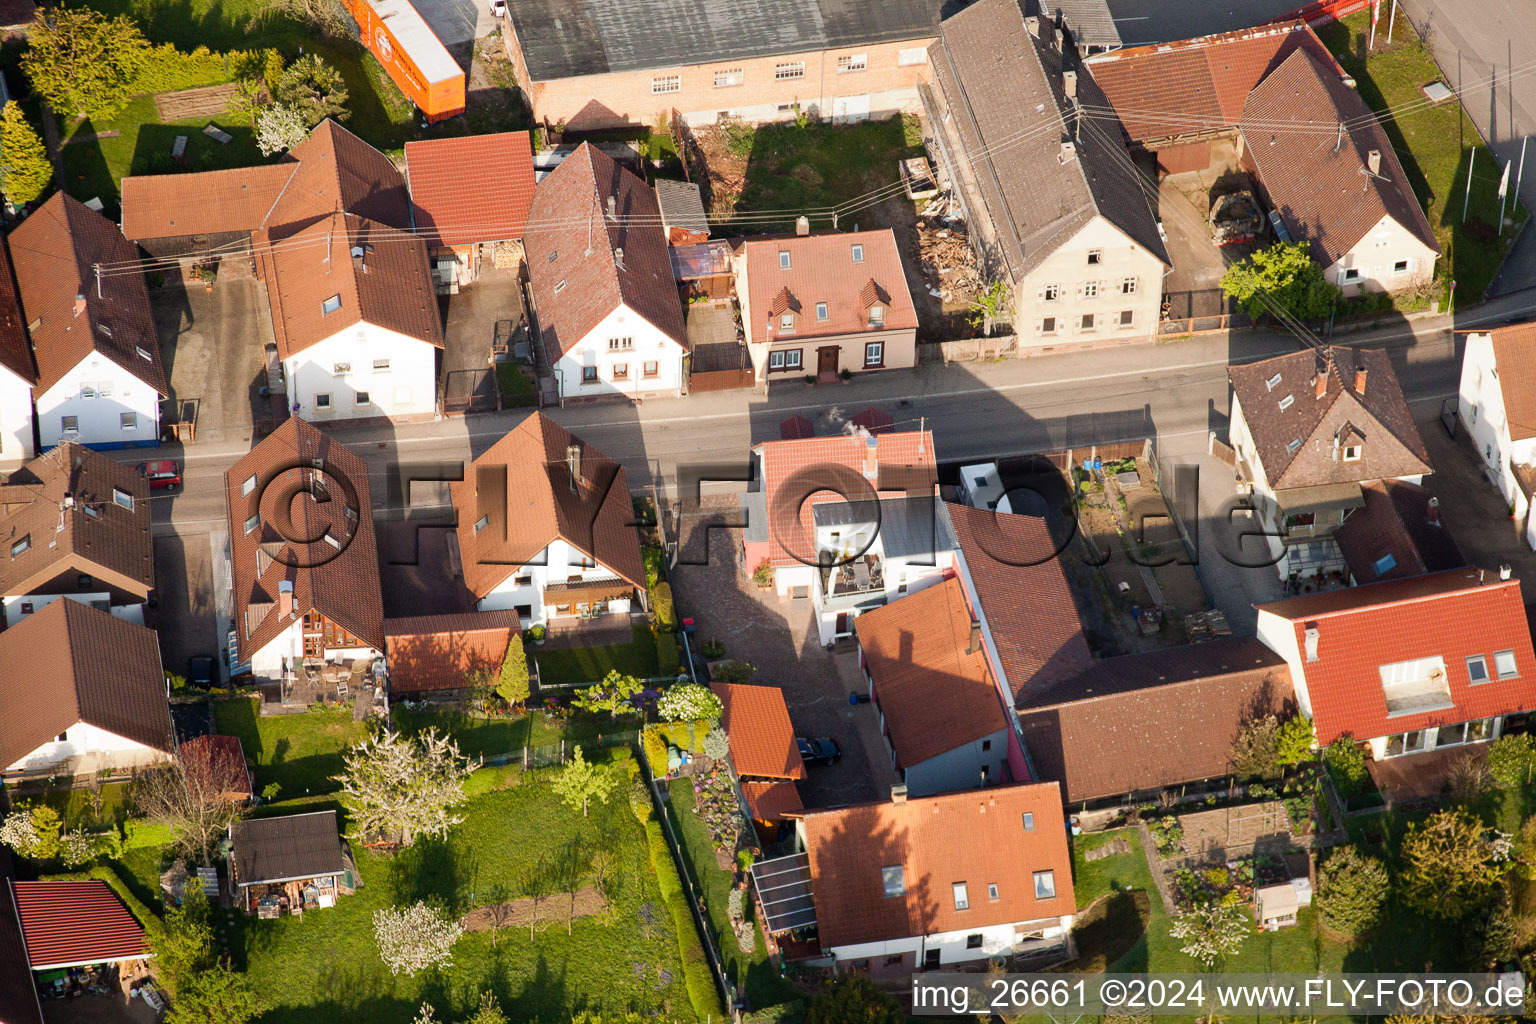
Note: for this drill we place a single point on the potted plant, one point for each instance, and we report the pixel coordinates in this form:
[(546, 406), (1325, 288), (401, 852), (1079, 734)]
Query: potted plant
[(763, 574), (846, 375), (208, 273), (536, 633)]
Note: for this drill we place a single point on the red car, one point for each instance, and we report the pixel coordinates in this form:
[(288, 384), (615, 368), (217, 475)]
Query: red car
[(163, 474)]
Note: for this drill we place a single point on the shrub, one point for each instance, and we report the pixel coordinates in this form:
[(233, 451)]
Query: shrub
[(1346, 764), (663, 615), (712, 649), (668, 660), (688, 702), (696, 976), (1217, 878), (1451, 865), (716, 744), (732, 672), (1293, 743), (653, 558), (1511, 759), (1255, 750), (763, 574), (164, 68), (655, 747), (1352, 888), (47, 823), (640, 799)]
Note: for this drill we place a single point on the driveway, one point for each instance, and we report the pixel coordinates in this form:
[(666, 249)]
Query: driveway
[(780, 639), (457, 21), (212, 346), (470, 319), (1183, 203), (184, 590), (1471, 506)]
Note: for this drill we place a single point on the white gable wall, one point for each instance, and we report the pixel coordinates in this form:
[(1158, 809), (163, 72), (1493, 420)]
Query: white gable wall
[(91, 749), (1376, 256), (648, 343), (954, 948), (112, 393), (396, 372), (21, 606), (1068, 270), (15, 420), (1481, 405), (525, 585)]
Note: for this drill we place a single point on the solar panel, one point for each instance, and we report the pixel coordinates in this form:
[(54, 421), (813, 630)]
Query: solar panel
[(784, 889)]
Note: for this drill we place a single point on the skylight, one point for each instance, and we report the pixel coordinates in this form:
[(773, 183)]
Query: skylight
[(1287, 402)]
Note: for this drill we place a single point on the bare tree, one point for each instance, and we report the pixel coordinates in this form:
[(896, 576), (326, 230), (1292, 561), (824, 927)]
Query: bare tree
[(194, 796), (498, 912)]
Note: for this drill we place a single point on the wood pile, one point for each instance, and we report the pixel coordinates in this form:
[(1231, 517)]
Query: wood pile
[(945, 253), (507, 255), (1206, 626)]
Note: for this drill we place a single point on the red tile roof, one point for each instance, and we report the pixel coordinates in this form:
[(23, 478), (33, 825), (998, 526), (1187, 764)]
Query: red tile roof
[(71, 923), (902, 462), (473, 188), (390, 286), (522, 485), (339, 172), (204, 203), (54, 253), (341, 585), (1396, 521), (772, 801), (1514, 356), (1168, 89), (976, 838), (1325, 194), (1024, 597), (822, 270), (756, 721), (934, 696), (440, 652), (571, 243), (1453, 615)]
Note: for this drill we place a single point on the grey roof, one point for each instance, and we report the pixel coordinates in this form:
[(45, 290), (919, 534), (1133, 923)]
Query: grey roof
[(1004, 88), (569, 38), (1089, 21), (293, 846), (909, 526), (1158, 21), (754, 506), (681, 205)]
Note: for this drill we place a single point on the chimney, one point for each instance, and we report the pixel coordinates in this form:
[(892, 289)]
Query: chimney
[(284, 598), (1506, 571), (1321, 380), (573, 463), (898, 794), (79, 303), (358, 263), (1069, 85), (1360, 380), (1068, 151), (974, 645), (1373, 162), (802, 225), (1432, 512), (618, 257), (613, 210), (871, 460), (1312, 640)]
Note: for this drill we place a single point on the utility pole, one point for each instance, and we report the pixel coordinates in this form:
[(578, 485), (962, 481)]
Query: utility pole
[(1520, 172), (1467, 197)]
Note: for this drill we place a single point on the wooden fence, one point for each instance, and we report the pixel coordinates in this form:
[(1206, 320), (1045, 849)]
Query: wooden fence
[(721, 380), (963, 350)]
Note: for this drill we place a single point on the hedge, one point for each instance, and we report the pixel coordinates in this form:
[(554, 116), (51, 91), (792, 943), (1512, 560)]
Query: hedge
[(697, 977), (167, 69)]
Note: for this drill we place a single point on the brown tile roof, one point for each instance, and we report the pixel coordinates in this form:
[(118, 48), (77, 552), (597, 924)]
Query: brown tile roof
[(473, 188), (76, 923), (571, 239), (237, 199), (341, 585), (821, 269), (762, 739), (1325, 195), (976, 838), (439, 652), (54, 253), (1392, 446), (1514, 356), (1168, 717), (772, 801), (286, 847), (934, 696), (902, 462), (523, 487), (74, 487), (1003, 88), (71, 663), (1169, 89), (339, 172), (15, 346), (1024, 597), (390, 286), (1396, 522)]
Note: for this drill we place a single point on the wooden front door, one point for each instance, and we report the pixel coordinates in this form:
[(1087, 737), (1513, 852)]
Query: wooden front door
[(826, 360)]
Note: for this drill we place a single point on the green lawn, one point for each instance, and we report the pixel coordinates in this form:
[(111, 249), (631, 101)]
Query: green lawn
[(298, 752), (517, 387), (1435, 145), (79, 808), (517, 839), (1403, 942), (754, 973), (590, 664), (789, 167), (492, 737)]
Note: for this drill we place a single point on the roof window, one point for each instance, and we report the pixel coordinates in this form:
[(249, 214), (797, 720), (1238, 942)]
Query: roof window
[(1287, 402), (1273, 382), (1294, 446), (123, 498), (783, 259), (143, 352), (20, 546), (330, 305), (894, 880)]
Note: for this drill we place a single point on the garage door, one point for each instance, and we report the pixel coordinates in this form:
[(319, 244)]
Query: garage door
[(850, 108)]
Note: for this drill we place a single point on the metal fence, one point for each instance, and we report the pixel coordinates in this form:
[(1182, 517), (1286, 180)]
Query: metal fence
[(551, 754)]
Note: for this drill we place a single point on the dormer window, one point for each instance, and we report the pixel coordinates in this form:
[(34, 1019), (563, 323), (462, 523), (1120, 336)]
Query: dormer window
[(786, 323), (877, 316)]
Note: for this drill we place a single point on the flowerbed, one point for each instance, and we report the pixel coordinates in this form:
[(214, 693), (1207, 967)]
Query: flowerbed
[(1232, 885), (714, 801)]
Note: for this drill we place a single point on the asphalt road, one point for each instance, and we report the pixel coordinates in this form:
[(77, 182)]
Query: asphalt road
[(1176, 391)]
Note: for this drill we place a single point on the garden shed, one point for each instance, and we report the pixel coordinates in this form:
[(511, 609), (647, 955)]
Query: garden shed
[(1276, 906), (289, 864)]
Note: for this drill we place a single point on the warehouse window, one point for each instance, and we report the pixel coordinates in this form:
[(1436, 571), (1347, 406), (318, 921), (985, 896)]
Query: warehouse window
[(728, 78), (792, 69), (666, 83)]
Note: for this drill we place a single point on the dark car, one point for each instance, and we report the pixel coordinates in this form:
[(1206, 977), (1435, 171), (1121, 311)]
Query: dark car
[(820, 750), (162, 474), (200, 670)]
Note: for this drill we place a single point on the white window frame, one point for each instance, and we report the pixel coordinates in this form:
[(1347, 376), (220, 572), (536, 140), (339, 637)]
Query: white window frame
[(1481, 661), (662, 85), (128, 421), (122, 498), (1047, 325), (821, 311), (877, 315), (1127, 318), (789, 69), (1500, 660), (961, 896), (1090, 289), (247, 486), (775, 360), (786, 323), (87, 391), (794, 359), (1407, 266), (874, 353), (69, 424), (1050, 293), (1095, 257), (1349, 275), (1088, 323), (1356, 449), (785, 260), (322, 400), (621, 344), (104, 388), (1049, 887), (857, 252), (1128, 285), (911, 56), (852, 63), (729, 78), (330, 305), (361, 399), (381, 366)]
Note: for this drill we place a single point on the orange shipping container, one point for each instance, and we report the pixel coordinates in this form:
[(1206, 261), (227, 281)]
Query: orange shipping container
[(412, 54)]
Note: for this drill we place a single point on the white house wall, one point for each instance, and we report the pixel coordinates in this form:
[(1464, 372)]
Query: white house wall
[(15, 420), (89, 744), (649, 344), (1481, 405), (100, 417), (1375, 256), (959, 767), (1279, 635), (1069, 271), (101, 599), (952, 946), (398, 374), (558, 563)]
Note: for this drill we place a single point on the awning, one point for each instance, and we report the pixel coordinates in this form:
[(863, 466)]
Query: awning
[(588, 591), (1322, 498), (784, 889), (1277, 901), (772, 801)]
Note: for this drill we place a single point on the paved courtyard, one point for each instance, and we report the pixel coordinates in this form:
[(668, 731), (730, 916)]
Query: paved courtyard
[(212, 345), (780, 639), (1472, 506)]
